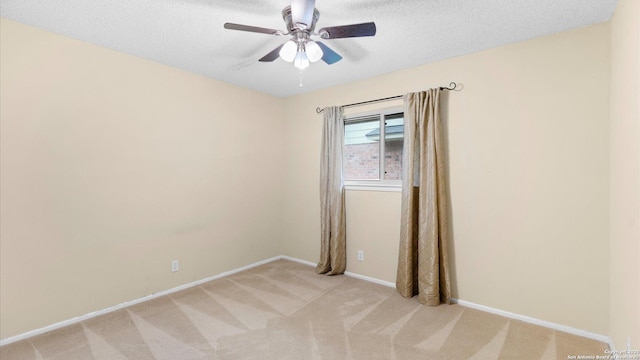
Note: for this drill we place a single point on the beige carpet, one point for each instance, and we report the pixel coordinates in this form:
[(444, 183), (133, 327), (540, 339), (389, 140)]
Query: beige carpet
[(283, 310)]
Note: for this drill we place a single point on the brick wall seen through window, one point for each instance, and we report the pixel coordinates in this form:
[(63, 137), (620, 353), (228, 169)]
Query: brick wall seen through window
[(363, 149)]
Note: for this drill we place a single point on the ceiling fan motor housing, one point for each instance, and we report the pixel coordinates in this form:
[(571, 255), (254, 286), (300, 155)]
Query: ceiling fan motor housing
[(292, 28)]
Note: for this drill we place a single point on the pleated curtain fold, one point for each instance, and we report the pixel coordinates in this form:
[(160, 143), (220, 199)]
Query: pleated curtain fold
[(423, 257), (333, 259)]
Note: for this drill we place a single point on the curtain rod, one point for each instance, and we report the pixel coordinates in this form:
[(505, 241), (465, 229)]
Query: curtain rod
[(452, 86)]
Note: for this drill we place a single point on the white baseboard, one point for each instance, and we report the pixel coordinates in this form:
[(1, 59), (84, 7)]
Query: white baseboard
[(468, 304), (350, 274), (534, 321), (93, 314), (300, 261), (370, 279)]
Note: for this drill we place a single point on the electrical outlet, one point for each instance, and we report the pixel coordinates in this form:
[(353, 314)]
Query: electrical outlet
[(360, 255), (175, 266)]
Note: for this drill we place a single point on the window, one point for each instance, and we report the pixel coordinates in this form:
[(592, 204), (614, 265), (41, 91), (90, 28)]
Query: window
[(368, 162)]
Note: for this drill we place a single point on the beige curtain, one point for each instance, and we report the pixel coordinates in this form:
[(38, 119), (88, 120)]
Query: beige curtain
[(333, 258), (423, 259)]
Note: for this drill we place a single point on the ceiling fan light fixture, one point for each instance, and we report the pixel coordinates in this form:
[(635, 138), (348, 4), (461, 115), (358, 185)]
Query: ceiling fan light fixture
[(314, 52), (301, 60), (288, 51)]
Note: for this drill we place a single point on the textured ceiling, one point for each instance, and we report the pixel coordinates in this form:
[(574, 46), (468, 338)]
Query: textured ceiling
[(189, 34)]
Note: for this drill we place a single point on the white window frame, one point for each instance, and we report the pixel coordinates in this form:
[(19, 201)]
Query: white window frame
[(381, 184)]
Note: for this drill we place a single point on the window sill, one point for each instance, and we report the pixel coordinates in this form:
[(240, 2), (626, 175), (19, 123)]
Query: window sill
[(374, 187)]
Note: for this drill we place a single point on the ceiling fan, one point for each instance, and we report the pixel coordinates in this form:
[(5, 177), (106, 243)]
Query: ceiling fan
[(301, 18)]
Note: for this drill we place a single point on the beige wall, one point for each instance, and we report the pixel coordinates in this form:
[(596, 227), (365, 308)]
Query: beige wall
[(528, 158), (625, 176), (112, 166)]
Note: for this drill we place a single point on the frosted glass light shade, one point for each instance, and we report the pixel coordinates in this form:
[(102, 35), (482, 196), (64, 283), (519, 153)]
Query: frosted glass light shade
[(314, 52), (288, 51), (301, 60)]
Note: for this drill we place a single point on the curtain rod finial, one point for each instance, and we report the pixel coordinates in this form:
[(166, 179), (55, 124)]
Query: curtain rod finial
[(452, 86), (318, 110)]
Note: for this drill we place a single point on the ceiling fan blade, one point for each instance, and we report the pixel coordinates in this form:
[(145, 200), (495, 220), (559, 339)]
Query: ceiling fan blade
[(274, 54), (346, 31), (329, 56), (302, 13), (255, 29)]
